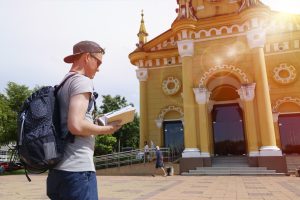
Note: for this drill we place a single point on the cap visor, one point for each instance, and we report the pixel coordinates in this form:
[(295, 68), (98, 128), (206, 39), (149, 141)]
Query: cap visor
[(71, 58)]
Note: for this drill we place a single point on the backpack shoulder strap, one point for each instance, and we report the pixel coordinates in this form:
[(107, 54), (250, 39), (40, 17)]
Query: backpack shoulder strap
[(57, 87)]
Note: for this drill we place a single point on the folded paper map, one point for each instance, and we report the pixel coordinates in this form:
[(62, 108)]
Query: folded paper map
[(125, 115)]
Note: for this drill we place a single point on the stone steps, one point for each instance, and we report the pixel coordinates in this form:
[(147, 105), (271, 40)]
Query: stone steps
[(231, 166), (293, 162), (231, 171)]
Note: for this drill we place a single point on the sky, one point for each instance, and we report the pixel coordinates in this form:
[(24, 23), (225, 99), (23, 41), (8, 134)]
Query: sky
[(35, 36)]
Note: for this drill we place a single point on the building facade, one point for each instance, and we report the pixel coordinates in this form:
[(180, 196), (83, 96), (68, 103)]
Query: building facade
[(222, 81)]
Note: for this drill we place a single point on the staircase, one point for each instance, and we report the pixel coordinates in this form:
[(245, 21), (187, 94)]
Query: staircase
[(231, 166), (293, 162)]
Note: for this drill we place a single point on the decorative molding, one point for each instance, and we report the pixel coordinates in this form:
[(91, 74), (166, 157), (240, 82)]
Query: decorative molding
[(291, 71), (185, 48), (277, 26), (256, 38), (218, 31), (247, 91), (142, 74), (162, 113), (270, 151), (141, 63), (218, 68), (275, 116), (210, 105), (282, 46), (158, 123), (269, 27), (202, 95), (171, 85), (285, 100), (240, 103), (191, 153)]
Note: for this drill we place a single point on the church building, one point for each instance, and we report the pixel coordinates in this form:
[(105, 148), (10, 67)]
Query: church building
[(222, 81)]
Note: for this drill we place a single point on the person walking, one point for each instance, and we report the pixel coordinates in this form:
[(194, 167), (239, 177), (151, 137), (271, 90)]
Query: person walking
[(159, 162), (74, 178)]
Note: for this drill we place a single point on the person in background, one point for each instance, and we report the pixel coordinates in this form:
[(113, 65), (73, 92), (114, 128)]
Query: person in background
[(159, 162), (146, 152), (74, 178), (152, 150)]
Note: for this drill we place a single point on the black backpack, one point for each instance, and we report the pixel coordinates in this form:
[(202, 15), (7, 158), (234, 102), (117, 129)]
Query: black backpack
[(40, 144)]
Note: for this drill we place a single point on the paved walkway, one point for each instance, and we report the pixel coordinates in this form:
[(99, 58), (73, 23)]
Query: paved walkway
[(167, 188)]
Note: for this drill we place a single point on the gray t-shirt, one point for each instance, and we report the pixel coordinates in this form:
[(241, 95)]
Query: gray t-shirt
[(78, 156)]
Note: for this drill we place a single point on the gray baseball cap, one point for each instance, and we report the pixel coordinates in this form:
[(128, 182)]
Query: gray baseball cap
[(84, 47)]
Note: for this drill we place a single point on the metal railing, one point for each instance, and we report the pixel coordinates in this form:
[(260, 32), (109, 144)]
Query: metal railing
[(128, 158)]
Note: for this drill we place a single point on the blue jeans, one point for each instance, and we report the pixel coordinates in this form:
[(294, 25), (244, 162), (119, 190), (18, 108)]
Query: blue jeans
[(63, 185)]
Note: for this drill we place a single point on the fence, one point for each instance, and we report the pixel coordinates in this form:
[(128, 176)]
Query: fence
[(128, 158)]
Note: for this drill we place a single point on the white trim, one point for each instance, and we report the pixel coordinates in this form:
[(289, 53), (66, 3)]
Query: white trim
[(142, 74), (253, 153), (275, 116), (185, 48), (205, 155), (191, 153), (220, 37), (282, 52), (270, 151), (288, 113), (165, 67)]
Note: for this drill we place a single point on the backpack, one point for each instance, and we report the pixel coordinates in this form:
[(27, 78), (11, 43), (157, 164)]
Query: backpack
[(40, 144)]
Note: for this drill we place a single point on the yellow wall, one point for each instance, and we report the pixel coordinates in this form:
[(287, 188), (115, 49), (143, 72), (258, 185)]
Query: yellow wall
[(157, 100)]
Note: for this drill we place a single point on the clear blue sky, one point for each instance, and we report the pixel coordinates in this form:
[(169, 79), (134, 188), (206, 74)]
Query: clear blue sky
[(36, 35)]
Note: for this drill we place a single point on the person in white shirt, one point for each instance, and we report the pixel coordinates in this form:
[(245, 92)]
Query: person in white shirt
[(146, 152)]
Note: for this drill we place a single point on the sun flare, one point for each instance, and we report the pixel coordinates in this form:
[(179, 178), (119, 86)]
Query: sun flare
[(286, 6)]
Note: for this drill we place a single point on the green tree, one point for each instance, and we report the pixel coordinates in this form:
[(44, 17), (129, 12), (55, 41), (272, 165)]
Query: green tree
[(10, 105), (104, 144), (128, 135), (16, 95), (8, 124)]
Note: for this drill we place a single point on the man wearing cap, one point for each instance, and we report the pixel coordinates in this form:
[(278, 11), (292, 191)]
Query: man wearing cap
[(74, 177)]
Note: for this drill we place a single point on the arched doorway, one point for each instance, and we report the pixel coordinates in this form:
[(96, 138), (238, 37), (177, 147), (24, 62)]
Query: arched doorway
[(173, 136), (289, 133), (228, 130)]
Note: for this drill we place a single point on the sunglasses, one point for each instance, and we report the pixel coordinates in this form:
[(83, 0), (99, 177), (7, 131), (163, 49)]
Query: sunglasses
[(99, 62)]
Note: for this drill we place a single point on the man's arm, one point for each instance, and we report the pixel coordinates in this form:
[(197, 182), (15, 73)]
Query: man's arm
[(78, 125)]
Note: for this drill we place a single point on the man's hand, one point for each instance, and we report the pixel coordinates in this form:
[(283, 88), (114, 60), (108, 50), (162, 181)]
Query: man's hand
[(115, 125)]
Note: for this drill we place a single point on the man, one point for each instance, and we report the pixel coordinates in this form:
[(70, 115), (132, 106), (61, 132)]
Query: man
[(74, 177), (159, 162)]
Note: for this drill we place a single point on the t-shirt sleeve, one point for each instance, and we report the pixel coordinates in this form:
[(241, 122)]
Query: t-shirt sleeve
[(80, 84)]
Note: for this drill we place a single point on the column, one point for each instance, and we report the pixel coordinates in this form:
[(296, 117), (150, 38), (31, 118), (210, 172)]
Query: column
[(276, 127), (256, 41), (186, 52), (142, 75), (202, 98), (247, 93)]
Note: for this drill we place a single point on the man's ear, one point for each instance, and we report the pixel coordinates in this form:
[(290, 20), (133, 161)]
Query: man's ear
[(86, 57)]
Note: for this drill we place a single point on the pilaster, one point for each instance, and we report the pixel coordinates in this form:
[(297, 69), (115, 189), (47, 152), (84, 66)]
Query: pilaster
[(142, 75), (247, 94), (276, 128), (186, 52), (202, 98)]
